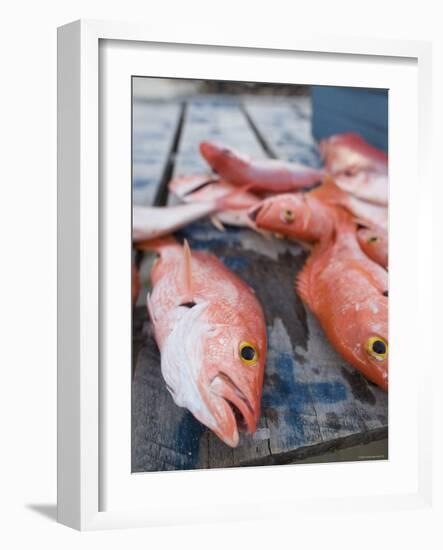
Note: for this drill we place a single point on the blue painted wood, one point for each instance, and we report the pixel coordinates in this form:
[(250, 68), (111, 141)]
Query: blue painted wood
[(339, 109)]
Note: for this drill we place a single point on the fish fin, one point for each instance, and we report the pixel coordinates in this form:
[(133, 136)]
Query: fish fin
[(187, 273), (217, 223), (156, 244), (304, 280), (150, 309), (303, 283), (330, 192), (228, 201), (265, 234)]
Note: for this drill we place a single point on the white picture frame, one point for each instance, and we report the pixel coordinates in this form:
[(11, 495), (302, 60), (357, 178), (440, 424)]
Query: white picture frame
[(84, 445)]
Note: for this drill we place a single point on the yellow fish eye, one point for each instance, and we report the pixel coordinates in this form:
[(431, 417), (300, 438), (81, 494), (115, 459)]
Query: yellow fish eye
[(373, 239), (377, 347), (248, 353), (287, 215)]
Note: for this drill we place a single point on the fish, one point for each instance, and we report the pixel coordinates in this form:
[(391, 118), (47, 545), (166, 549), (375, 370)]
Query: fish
[(341, 285), (206, 188), (286, 211), (349, 152), (211, 332), (150, 222), (356, 166), (368, 213), (348, 293), (299, 216), (369, 186), (264, 175), (374, 243)]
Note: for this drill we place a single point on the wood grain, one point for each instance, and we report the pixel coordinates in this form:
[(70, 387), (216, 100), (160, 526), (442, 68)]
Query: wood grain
[(154, 127)]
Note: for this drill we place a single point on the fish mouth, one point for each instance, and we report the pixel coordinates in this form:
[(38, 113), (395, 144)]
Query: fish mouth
[(200, 186), (237, 405), (254, 211), (183, 186)]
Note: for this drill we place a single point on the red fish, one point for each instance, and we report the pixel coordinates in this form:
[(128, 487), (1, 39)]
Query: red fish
[(351, 153), (357, 166), (371, 215), (328, 194), (211, 332), (344, 288), (346, 292), (269, 175), (366, 185)]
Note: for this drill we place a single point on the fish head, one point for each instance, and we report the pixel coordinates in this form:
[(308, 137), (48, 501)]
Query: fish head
[(216, 370), (288, 214), (370, 337), (233, 377), (222, 158)]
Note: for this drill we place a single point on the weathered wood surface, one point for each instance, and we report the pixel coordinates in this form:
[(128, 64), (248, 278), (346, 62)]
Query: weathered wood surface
[(285, 127), (213, 119), (313, 400), (154, 126)]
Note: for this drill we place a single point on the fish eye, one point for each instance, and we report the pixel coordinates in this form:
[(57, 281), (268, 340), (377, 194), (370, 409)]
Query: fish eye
[(248, 353), (288, 215), (377, 347), (373, 239)]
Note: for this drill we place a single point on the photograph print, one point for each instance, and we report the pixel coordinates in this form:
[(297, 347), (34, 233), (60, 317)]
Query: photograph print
[(259, 274)]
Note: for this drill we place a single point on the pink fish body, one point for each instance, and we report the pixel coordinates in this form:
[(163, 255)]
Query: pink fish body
[(374, 215), (357, 167), (350, 152), (308, 216), (348, 294), (342, 286), (270, 175), (211, 332)]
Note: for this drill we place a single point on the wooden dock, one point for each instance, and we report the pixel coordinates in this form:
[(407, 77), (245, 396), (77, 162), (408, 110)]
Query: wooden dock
[(313, 401)]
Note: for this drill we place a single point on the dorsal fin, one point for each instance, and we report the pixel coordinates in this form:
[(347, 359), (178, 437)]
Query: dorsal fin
[(330, 192), (187, 273)]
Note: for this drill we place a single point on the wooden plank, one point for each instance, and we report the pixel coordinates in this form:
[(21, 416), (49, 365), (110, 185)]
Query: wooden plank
[(217, 120), (312, 400), (285, 128), (154, 129)]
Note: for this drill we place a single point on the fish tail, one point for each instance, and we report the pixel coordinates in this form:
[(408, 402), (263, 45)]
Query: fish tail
[(156, 245), (217, 223)]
